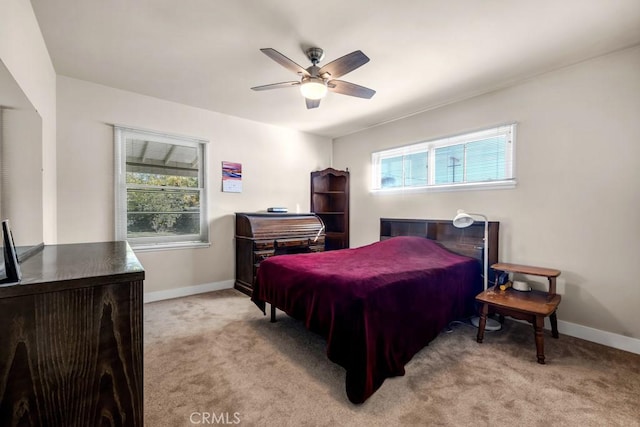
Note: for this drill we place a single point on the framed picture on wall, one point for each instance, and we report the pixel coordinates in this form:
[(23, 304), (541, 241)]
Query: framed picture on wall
[(231, 177)]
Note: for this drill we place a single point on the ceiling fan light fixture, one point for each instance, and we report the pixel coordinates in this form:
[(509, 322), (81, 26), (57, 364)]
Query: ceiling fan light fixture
[(316, 81), (313, 88)]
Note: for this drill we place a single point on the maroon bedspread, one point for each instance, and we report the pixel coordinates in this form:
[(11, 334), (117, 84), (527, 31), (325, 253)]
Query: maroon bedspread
[(376, 305)]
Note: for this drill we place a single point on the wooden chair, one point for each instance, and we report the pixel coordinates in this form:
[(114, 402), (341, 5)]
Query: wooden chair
[(532, 306)]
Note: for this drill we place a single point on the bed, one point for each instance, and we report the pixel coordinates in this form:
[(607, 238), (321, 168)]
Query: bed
[(379, 304)]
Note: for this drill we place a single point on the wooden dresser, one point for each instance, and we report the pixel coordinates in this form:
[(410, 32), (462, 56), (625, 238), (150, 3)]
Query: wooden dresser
[(261, 235), (71, 338)]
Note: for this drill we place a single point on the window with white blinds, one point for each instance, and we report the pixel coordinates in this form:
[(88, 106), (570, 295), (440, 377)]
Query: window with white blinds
[(160, 189), (478, 159)]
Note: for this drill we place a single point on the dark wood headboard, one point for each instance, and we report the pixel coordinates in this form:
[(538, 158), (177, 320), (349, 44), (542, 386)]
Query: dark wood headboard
[(465, 241)]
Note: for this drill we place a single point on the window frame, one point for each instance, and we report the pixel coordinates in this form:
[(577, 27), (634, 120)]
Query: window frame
[(121, 135), (430, 147)]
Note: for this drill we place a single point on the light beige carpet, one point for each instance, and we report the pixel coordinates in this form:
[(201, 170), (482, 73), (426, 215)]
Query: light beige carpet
[(214, 359)]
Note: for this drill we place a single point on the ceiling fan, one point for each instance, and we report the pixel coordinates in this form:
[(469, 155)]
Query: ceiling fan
[(316, 81)]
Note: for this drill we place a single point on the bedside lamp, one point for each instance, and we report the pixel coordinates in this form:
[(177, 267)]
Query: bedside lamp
[(464, 220)]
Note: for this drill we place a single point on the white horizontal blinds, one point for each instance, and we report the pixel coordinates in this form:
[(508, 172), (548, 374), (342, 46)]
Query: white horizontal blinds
[(449, 164), (402, 167), (484, 156)]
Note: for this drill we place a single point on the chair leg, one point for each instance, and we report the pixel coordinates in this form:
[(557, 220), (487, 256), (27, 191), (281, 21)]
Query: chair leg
[(539, 339), (483, 322), (554, 325)]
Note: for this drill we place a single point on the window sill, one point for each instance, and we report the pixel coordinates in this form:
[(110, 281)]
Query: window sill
[(168, 246), (474, 186)]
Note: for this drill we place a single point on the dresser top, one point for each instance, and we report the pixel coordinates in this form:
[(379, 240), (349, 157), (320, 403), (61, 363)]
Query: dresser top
[(59, 267)]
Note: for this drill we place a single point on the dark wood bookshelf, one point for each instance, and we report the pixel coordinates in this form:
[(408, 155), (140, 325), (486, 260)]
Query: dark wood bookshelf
[(330, 201)]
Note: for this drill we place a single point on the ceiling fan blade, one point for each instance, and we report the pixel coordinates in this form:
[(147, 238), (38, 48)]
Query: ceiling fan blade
[(351, 89), (284, 61), (345, 64), (312, 103), (276, 86)]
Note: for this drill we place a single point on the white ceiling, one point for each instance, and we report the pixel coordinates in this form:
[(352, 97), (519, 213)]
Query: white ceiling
[(424, 53)]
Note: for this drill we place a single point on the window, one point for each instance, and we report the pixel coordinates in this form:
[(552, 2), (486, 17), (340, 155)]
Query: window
[(479, 159), (160, 189)]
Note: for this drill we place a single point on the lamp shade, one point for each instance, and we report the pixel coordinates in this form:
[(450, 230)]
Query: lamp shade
[(313, 88), (462, 219)]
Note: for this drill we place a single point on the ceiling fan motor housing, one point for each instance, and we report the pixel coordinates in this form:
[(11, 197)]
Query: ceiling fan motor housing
[(315, 55)]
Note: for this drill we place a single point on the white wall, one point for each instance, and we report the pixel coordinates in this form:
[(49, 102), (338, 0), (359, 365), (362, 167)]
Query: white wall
[(21, 174), (23, 51), (276, 166), (576, 204)]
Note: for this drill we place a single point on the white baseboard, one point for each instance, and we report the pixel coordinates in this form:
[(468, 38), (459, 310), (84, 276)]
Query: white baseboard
[(567, 328), (186, 291), (598, 336)]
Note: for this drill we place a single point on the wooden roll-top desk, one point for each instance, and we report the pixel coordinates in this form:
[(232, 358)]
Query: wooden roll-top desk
[(262, 235)]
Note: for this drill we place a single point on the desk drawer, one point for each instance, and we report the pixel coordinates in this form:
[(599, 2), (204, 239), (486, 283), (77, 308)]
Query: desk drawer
[(261, 245), (291, 243)]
